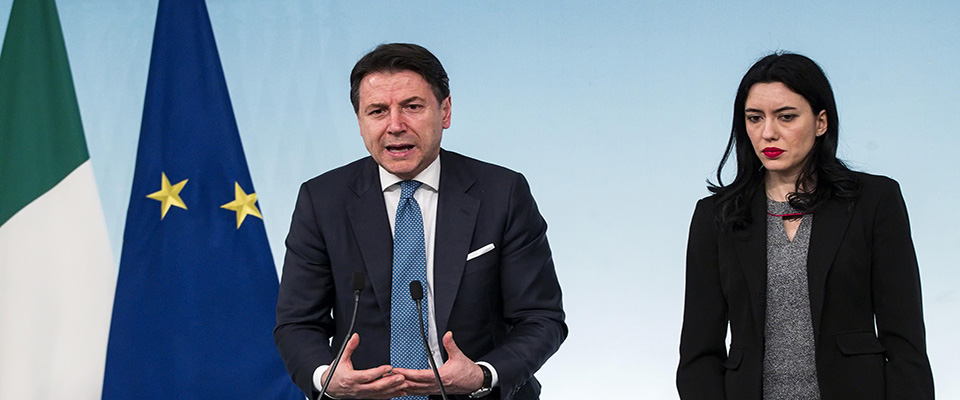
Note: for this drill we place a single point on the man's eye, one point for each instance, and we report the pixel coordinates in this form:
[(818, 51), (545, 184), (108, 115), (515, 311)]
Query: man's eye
[(414, 106), (375, 112)]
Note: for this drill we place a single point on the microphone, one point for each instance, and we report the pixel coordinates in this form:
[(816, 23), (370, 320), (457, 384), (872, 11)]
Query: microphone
[(359, 281), (416, 293)]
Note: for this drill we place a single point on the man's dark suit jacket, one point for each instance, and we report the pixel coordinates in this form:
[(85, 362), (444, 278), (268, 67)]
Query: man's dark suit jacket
[(862, 269), (503, 307)]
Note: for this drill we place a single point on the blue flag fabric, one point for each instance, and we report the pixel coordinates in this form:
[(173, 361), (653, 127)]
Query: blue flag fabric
[(197, 287)]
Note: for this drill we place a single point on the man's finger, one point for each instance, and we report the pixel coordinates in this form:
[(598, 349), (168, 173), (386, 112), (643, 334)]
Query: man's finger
[(416, 375), (372, 374), (419, 381), (352, 345), (451, 346), (346, 362), (384, 387)]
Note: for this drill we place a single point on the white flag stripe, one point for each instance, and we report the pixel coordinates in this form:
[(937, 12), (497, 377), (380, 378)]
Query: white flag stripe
[(57, 280)]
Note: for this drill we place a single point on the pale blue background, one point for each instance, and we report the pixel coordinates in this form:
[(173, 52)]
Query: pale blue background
[(616, 111)]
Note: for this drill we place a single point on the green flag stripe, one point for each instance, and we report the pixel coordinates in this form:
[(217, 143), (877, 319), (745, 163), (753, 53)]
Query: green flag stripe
[(41, 136)]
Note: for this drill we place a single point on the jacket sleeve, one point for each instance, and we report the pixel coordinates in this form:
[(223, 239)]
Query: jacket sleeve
[(304, 322), (531, 293), (897, 300), (700, 374)]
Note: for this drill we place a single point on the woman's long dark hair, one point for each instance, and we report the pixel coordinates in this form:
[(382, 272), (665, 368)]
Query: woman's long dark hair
[(822, 177)]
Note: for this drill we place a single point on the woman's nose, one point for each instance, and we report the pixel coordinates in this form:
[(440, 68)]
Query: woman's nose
[(770, 131)]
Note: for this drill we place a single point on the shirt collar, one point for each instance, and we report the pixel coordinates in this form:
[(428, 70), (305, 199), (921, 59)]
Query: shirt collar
[(429, 177)]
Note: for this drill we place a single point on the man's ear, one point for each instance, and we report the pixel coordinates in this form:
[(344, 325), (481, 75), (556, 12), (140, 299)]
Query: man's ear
[(445, 109)]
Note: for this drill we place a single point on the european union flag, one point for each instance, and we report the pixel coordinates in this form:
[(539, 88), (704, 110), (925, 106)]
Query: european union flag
[(197, 287)]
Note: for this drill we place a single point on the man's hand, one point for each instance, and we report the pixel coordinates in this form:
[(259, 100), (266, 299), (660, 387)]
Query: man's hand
[(373, 383), (460, 375)]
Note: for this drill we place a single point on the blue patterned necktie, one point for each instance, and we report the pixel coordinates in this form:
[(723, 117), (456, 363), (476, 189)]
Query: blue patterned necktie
[(409, 264)]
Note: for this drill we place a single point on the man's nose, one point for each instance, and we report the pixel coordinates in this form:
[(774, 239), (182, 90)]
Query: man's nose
[(397, 125)]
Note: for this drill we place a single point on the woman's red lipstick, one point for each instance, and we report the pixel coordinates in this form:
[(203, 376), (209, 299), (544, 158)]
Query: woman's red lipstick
[(772, 152)]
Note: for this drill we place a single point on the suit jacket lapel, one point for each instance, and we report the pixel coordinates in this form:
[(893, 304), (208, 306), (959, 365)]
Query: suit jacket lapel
[(456, 218), (830, 221), (371, 227), (751, 246)]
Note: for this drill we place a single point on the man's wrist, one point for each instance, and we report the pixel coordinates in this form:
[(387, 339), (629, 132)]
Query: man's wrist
[(318, 380), (486, 385), (495, 381)]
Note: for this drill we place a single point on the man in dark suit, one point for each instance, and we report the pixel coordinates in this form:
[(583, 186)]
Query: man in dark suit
[(483, 252)]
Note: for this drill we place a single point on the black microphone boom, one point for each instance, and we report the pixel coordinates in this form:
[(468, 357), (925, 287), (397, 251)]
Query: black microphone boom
[(416, 293), (359, 281)]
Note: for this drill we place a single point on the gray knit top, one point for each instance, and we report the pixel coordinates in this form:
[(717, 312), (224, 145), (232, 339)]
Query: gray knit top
[(789, 364)]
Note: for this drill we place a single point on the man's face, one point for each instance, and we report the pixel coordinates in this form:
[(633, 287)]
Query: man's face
[(401, 121)]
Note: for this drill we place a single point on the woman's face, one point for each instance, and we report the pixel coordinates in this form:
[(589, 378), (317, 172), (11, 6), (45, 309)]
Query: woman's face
[(782, 127)]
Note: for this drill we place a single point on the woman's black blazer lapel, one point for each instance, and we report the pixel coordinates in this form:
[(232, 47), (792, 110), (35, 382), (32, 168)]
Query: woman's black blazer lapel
[(830, 222)]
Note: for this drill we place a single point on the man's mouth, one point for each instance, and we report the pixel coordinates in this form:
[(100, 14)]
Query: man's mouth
[(400, 148)]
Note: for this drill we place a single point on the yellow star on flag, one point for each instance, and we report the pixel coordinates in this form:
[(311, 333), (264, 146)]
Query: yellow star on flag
[(244, 204), (168, 195)]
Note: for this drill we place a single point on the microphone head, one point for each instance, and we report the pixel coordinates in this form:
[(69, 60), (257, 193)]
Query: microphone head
[(359, 281), (416, 290)]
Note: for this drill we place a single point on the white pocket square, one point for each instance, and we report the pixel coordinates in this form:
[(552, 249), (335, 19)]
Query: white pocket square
[(481, 251)]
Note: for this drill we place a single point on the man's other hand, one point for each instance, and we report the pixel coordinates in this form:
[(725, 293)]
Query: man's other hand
[(460, 375), (373, 383)]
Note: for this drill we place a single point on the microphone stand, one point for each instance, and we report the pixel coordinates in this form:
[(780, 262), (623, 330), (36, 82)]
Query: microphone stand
[(416, 293), (359, 281)]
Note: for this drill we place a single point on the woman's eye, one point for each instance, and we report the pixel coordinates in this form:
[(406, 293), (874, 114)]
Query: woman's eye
[(788, 117), (753, 118)]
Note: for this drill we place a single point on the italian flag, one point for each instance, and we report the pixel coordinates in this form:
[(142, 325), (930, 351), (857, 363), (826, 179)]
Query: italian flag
[(57, 274)]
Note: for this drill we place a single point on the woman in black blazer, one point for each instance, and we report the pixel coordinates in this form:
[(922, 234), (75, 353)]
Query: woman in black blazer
[(810, 265)]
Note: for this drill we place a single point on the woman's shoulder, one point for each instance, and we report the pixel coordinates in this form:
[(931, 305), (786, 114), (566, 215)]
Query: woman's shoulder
[(708, 202), (872, 185), (706, 210)]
